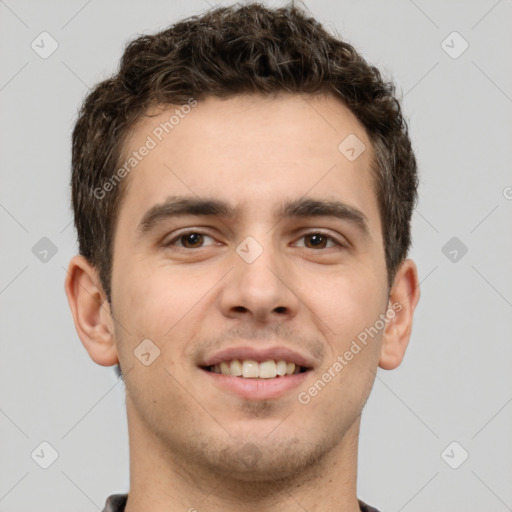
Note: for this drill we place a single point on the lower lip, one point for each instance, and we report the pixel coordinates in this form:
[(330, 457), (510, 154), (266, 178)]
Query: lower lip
[(257, 389)]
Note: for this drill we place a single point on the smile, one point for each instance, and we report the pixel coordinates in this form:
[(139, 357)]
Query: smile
[(250, 369)]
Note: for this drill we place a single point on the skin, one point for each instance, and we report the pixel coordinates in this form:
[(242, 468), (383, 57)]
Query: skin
[(188, 438)]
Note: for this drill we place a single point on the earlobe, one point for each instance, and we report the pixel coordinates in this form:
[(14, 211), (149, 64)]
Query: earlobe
[(404, 297), (91, 312)]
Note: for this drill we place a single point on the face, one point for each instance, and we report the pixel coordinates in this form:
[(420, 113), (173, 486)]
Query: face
[(263, 277)]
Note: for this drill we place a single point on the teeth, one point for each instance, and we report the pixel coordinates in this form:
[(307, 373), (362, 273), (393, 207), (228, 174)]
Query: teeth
[(281, 368), (235, 368), (268, 370), (250, 369)]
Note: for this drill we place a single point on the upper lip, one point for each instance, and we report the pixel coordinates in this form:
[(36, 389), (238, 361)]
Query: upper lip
[(258, 354)]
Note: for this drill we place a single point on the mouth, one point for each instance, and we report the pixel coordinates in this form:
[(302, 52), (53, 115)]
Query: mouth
[(252, 380), (251, 369)]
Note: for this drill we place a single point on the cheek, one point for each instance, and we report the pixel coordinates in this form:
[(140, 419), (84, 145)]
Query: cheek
[(347, 303), (353, 309), (152, 314), (162, 304), (153, 306)]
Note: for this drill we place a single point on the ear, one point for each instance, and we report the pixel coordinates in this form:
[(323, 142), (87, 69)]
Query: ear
[(403, 298), (91, 311)]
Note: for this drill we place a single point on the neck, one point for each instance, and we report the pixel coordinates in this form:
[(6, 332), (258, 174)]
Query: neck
[(161, 480)]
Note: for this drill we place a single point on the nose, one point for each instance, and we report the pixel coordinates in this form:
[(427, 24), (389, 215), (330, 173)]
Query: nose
[(260, 288)]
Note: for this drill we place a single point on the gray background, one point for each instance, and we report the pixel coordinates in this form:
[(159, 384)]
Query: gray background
[(455, 383)]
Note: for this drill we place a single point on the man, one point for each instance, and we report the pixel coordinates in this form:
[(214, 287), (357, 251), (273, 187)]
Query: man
[(242, 191)]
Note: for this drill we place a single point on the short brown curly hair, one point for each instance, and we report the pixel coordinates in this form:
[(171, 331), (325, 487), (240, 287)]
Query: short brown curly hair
[(224, 52)]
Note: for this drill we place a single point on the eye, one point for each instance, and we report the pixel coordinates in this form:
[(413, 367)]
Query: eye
[(319, 240), (189, 240), (196, 239)]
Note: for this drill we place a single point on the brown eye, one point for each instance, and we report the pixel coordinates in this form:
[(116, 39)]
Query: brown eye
[(189, 240), (319, 240)]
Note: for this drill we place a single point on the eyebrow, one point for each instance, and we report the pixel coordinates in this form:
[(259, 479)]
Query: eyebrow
[(179, 206)]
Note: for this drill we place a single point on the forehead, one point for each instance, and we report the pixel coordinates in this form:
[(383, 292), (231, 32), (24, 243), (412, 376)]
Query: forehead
[(250, 151)]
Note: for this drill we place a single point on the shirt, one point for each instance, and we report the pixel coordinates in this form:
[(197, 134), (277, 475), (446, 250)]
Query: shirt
[(117, 502)]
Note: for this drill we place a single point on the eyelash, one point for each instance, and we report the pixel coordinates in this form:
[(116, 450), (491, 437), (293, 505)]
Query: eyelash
[(197, 232)]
